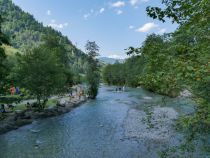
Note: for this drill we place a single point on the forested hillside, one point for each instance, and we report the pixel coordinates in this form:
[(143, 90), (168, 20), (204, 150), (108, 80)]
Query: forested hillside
[(107, 60), (25, 33)]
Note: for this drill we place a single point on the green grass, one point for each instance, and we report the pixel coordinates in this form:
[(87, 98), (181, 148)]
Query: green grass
[(51, 103), (11, 96), (9, 99), (10, 51), (20, 107)]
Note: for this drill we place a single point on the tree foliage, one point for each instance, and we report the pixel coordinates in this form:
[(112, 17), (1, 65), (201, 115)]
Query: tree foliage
[(190, 44), (177, 61), (114, 74), (152, 67), (3, 70), (181, 11), (41, 72), (123, 73), (93, 72)]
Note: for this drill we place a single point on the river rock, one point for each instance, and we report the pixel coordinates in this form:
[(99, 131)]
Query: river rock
[(186, 94), (20, 118), (155, 126)]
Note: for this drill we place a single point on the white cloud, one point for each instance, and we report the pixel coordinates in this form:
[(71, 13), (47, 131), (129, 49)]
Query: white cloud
[(147, 27), (119, 12), (134, 2), (162, 31), (101, 10), (55, 25), (86, 16), (131, 27), (118, 4), (49, 12), (115, 56)]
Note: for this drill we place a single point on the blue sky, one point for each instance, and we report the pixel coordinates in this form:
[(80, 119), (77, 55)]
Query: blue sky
[(114, 25)]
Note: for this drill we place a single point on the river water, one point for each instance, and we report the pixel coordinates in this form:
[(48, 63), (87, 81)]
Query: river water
[(131, 124)]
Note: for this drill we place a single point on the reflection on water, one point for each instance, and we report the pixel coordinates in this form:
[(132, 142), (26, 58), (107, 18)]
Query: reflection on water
[(130, 124)]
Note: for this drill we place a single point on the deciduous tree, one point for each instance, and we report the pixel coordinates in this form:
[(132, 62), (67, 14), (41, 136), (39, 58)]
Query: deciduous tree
[(93, 72)]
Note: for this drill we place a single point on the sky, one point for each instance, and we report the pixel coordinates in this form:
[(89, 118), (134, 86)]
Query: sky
[(114, 25)]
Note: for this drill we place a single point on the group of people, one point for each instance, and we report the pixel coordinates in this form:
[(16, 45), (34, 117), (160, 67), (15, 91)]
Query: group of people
[(119, 89), (14, 90), (79, 92)]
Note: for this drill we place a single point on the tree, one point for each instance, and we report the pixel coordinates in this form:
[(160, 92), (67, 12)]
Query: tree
[(41, 73), (58, 48), (2, 53), (181, 11), (93, 73), (115, 74), (3, 40)]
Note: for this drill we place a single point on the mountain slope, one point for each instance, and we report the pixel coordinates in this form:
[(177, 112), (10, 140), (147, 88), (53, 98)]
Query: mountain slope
[(107, 60), (25, 32)]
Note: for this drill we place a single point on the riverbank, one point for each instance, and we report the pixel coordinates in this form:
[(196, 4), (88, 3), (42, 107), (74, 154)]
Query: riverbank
[(17, 119)]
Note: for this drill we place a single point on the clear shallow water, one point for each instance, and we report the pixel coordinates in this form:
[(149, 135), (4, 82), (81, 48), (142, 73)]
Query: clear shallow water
[(131, 124)]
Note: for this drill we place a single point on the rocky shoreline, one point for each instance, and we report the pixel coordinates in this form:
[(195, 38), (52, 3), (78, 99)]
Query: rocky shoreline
[(17, 119)]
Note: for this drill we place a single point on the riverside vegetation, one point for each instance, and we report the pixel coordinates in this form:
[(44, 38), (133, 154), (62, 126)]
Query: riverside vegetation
[(170, 63)]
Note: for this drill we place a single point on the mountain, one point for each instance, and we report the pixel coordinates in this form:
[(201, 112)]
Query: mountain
[(107, 60), (26, 32)]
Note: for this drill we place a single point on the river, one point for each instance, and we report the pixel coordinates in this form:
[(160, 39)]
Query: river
[(131, 124)]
